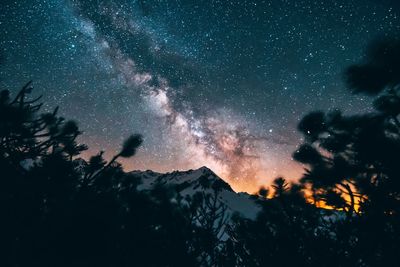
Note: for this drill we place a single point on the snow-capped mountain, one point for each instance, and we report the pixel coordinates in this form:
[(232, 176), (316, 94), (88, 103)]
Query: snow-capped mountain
[(201, 180)]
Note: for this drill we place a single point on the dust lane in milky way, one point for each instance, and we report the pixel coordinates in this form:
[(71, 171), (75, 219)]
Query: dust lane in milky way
[(215, 83)]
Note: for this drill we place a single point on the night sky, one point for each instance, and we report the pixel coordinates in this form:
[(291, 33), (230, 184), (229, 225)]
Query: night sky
[(215, 83)]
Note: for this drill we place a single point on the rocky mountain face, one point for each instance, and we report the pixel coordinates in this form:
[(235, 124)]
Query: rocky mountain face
[(205, 181)]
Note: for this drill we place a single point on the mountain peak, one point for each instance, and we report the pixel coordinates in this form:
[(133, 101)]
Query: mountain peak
[(204, 170), (188, 183)]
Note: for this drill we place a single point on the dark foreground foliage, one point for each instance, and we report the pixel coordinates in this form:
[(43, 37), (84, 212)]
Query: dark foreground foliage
[(58, 209)]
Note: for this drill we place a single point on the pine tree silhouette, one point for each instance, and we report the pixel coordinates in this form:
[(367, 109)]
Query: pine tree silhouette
[(61, 210), (353, 160), (280, 187)]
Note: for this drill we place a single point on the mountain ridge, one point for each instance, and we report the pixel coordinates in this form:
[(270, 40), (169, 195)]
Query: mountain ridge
[(203, 180)]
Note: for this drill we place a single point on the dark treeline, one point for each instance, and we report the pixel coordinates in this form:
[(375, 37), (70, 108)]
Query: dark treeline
[(58, 209)]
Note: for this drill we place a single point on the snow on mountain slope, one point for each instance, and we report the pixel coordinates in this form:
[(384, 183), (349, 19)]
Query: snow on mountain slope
[(201, 180)]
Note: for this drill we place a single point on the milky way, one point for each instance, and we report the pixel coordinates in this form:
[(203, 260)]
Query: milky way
[(215, 83)]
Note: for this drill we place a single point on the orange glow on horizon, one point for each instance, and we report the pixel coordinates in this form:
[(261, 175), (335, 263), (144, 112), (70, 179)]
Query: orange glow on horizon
[(322, 204), (249, 182), (250, 186)]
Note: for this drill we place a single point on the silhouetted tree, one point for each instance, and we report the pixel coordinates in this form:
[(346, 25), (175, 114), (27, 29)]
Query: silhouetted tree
[(280, 187), (209, 217), (61, 210), (263, 192), (287, 232), (353, 161)]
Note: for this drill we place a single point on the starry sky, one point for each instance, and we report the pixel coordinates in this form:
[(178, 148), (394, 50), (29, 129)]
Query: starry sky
[(216, 83)]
